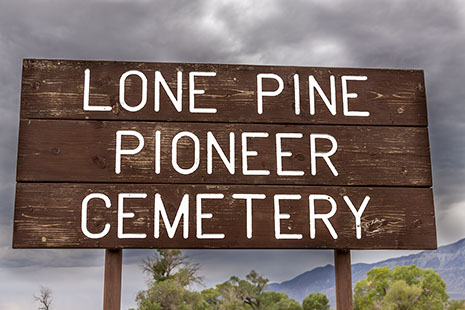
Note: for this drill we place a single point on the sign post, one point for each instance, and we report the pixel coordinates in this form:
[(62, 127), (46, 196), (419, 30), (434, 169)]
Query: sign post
[(343, 274), (112, 282), (121, 155)]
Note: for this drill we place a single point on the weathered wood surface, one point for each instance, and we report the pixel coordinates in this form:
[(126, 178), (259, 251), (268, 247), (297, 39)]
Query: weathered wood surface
[(112, 282), (66, 153), (55, 88), (343, 275), (84, 151), (395, 218)]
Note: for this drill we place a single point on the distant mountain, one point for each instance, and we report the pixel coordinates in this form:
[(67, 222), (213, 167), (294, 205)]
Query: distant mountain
[(448, 261)]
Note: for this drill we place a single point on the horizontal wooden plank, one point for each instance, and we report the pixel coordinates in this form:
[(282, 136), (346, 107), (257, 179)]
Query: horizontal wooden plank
[(84, 151), (54, 89), (49, 215)]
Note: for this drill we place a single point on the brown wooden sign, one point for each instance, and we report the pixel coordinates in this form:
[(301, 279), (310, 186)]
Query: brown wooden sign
[(222, 216), (157, 155), (96, 151)]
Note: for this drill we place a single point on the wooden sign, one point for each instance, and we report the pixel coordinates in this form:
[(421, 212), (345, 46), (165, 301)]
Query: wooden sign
[(158, 155)]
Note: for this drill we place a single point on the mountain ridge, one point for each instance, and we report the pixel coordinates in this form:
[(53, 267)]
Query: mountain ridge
[(448, 261)]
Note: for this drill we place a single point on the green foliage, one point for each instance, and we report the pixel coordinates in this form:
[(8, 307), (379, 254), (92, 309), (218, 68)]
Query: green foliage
[(169, 295), (229, 295), (402, 296), (456, 305), (247, 294), (211, 298), (278, 301), (171, 274), (315, 301), (404, 287)]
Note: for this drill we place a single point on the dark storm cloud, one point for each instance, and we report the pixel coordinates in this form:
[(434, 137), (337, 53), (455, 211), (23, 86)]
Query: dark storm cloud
[(394, 34), (136, 30), (156, 30), (63, 258)]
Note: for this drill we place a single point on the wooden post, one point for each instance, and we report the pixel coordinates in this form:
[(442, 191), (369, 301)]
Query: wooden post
[(343, 273), (112, 282)]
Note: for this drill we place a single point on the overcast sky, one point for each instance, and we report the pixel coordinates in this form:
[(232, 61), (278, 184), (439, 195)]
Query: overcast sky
[(422, 34)]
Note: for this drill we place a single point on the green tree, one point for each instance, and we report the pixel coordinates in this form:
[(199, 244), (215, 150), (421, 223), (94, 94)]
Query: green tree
[(370, 291), (404, 287), (252, 289), (211, 298), (401, 296), (170, 275), (456, 305), (247, 294), (315, 301), (231, 294), (278, 301), (169, 295)]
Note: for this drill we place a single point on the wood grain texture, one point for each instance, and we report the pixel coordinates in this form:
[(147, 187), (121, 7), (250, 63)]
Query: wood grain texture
[(112, 282), (54, 89), (84, 151), (343, 274), (65, 153), (395, 218)]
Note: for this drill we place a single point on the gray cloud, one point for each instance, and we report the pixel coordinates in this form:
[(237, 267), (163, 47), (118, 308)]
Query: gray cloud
[(393, 34)]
